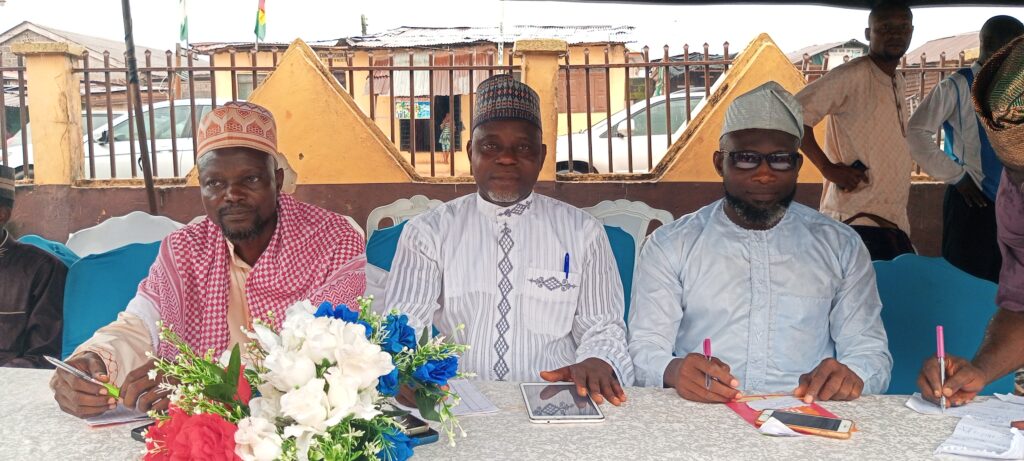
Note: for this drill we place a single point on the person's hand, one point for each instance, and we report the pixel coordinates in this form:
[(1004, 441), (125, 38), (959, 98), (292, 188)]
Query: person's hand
[(552, 390), (830, 380), (970, 192), (79, 397), (1018, 425), (593, 377), (963, 381), (142, 393), (688, 375), (407, 395), (845, 177)]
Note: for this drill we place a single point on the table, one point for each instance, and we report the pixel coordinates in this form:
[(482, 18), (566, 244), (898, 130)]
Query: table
[(654, 424)]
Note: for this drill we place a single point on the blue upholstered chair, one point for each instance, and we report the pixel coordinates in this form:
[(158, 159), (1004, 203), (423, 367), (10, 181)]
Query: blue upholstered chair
[(919, 293), (381, 247), (57, 249), (99, 287)]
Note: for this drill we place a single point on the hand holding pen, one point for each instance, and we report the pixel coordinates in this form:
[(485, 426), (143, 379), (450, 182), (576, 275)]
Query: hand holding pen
[(699, 379)]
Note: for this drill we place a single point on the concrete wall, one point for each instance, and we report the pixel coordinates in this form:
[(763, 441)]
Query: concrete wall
[(44, 210)]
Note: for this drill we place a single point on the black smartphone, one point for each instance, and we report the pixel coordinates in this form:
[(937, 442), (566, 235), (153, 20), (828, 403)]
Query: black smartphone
[(859, 165), (139, 433)]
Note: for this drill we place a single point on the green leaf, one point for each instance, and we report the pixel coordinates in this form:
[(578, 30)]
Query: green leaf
[(234, 364), (425, 337), (427, 404), (220, 391), (214, 370)]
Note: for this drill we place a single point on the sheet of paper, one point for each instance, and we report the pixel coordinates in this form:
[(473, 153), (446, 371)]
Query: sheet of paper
[(775, 403), (471, 401), (119, 415), (775, 428), (979, 439), (991, 411), (1018, 399)]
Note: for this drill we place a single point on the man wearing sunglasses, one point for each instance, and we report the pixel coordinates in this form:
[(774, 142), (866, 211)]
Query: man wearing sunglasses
[(786, 294)]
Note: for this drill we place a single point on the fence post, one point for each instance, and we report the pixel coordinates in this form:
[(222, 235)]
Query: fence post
[(540, 60), (55, 108)]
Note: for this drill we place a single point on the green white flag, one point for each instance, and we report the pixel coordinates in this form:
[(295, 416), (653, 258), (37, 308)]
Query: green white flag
[(183, 13)]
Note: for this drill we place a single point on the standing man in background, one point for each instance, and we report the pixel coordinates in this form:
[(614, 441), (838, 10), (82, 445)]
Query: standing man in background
[(865, 162), (968, 163)]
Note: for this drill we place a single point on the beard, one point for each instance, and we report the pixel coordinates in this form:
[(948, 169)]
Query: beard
[(503, 197), (245, 233), (760, 216)]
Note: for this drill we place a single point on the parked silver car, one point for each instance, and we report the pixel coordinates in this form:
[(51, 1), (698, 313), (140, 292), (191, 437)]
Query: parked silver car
[(115, 138)]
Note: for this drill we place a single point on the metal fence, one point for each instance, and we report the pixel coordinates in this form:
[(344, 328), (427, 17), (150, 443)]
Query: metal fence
[(635, 130), (619, 112), (14, 138)]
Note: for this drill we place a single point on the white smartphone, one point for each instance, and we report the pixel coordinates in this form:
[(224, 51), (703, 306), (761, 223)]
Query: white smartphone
[(810, 424), (559, 403)]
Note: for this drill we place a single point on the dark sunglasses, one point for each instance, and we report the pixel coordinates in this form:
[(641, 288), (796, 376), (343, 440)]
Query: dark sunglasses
[(778, 161)]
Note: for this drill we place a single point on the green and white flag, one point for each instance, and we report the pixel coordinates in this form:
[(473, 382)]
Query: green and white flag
[(183, 13)]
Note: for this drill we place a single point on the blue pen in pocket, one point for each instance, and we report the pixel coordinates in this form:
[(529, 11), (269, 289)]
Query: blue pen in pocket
[(566, 268)]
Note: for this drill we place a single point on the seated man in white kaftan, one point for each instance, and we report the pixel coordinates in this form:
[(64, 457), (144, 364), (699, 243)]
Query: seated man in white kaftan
[(532, 279), (786, 294)]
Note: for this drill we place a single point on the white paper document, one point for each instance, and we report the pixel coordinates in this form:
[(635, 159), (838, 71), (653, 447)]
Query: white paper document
[(1018, 399), (775, 428), (119, 415), (979, 439), (471, 401), (775, 403), (991, 411)]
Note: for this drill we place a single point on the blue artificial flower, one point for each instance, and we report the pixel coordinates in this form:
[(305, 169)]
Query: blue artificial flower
[(341, 312), (400, 334), (398, 446), (437, 371), (388, 384), (369, 329)]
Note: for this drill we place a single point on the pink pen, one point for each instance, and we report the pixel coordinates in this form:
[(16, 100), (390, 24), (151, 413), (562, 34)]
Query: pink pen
[(707, 353), (940, 347)]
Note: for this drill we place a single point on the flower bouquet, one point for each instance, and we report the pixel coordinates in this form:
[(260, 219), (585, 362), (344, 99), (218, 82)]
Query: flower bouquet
[(315, 390)]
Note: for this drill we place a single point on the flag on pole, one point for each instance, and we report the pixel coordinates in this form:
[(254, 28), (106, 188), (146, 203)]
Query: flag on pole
[(261, 21), (183, 13)]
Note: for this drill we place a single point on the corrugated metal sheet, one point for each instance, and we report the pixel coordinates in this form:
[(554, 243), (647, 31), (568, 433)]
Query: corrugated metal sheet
[(797, 56), (414, 37), (952, 46)]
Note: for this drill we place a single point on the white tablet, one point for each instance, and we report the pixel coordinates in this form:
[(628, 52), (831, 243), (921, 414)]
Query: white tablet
[(559, 403)]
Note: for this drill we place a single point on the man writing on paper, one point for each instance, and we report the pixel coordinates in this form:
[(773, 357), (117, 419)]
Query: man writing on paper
[(787, 294), (31, 293), (867, 124), (532, 279), (999, 99), (968, 163), (257, 253)]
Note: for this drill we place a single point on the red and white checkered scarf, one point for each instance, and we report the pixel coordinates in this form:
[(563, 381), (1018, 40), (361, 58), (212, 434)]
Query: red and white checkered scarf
[(314, 254)]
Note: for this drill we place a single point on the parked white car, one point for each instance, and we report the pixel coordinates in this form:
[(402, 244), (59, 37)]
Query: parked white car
[(116, 136), (600, 133)]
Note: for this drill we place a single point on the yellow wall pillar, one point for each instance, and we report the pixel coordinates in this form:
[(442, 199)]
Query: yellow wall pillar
[(55, 108), (540, 71)]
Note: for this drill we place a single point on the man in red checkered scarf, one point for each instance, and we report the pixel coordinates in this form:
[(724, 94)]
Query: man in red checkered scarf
[(257, 252)]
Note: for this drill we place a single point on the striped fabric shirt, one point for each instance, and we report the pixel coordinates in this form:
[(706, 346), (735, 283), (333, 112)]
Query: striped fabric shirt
[(501, 272)]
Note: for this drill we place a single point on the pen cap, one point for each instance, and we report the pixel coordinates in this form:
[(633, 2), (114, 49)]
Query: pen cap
[(707, 347), (940, 342)]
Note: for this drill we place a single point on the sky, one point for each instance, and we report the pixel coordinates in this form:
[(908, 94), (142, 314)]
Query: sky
[(792, 27)]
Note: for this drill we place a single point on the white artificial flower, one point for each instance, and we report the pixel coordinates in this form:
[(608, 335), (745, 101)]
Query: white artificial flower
[(342, 394), (307, 405), (267, 407), (358, 358), (321, 342), (288, 370), (366, 408), (303, 439), (294, 326), (257, 440), (267, 339)]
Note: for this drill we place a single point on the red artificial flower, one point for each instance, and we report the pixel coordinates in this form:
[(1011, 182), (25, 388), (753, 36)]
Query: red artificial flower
[(202, 437), (244, 391)]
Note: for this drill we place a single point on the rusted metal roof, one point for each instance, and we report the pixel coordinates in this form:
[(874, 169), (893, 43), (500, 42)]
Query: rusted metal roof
[(797, 56), (952, 46), (415, 37)]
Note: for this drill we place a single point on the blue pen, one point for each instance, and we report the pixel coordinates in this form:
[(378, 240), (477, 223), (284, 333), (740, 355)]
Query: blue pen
[(566, 266)]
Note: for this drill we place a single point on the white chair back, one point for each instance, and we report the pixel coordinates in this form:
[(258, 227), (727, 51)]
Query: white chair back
[(399, 211), (116, 232), (632, 217)]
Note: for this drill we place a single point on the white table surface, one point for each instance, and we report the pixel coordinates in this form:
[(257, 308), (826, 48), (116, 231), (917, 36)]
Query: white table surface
[(653, 424)]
